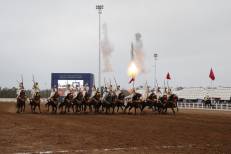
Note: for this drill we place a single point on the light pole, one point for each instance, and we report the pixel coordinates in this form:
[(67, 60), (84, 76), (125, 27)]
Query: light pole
[(99, 8), (155, 76)]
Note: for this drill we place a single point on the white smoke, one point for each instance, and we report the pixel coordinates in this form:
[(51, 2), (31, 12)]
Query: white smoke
[(106, 49), (139, 53)]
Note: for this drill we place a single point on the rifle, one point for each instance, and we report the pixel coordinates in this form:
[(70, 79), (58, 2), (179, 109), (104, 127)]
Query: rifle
[(115, 83), (33, 79), (22, 79), (110, 82), (105, 85), (157, 84)]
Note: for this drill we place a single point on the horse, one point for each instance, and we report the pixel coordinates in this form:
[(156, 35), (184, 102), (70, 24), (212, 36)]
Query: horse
[(134, 103), (21, 102), (53, 102), (107, 102), (67, 103), (166, 103), (118, 101), (93, 102), (35, 102), (78, 102), (207, 102), (150, 102)]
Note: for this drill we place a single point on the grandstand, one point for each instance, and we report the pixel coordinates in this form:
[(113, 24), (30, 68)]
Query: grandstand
[(198, 93)]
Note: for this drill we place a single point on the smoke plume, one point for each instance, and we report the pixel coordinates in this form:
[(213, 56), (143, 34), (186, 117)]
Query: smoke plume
[(106, 50), (139, 53)]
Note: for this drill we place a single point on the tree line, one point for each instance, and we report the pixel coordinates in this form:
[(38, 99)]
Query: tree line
[(12, 92)]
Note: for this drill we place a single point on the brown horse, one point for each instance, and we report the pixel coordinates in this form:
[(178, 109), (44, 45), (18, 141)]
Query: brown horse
[(21, 102), (150, 102), (35, 102)]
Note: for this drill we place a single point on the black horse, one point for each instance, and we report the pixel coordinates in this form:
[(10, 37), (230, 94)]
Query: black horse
[(67, 104), (118, 101), (78, 102), (21, 102), (35, 102), (168, 102), (207, 102), (92, 102), (53, 102), (107, 102), (134, 103)]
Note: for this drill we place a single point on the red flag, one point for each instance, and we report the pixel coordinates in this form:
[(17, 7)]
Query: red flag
[(211, 75), (131, 80), (168, 77)]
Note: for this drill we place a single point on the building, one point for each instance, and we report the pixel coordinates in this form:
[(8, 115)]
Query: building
[(61, 80)]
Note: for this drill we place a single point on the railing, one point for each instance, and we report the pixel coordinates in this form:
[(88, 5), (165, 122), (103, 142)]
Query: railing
[(223, 107), (13, 100)]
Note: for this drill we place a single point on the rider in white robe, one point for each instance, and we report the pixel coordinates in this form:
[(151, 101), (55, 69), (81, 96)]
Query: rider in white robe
[(130, 97), (68, 90), (35, 89), (20, 88), (158, 92), (118, 91), (93, 93), (54, 90)]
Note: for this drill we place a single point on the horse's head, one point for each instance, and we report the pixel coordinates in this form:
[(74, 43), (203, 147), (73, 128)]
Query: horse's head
[(22, 93), (37, 94), (121, 96), (97, 95), (152, 96), (56, 95), (137, 96), (79, 96)]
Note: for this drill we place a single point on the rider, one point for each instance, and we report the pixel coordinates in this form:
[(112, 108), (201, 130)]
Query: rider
[(206, 98), (76, 91), (21, 88), (118, 91), (54, 90), (146, 93), (35, 89), (93, 93), (169, 92), (165, 91), (68, 90), (131, 96), (158, 92), (105, 94)]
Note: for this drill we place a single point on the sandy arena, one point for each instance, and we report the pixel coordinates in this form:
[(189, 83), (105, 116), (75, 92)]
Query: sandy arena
[(189, 131)]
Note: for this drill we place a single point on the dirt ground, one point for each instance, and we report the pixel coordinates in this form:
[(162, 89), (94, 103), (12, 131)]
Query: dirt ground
[(189, 131)]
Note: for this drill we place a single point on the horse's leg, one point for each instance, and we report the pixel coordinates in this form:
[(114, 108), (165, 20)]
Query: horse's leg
[(126, 107), (17, 107), (31, 107), (73, 110), (130, 108), (173, 110), (20, 110), (39, 108)]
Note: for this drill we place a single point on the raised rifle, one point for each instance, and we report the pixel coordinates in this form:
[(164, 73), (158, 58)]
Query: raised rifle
[(115, 83)]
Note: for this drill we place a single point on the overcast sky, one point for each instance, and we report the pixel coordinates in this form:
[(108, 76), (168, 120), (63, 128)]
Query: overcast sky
[(43, 36)]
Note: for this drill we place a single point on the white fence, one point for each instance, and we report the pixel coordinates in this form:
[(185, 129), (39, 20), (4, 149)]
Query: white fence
[(223, 107), (13, 100)]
